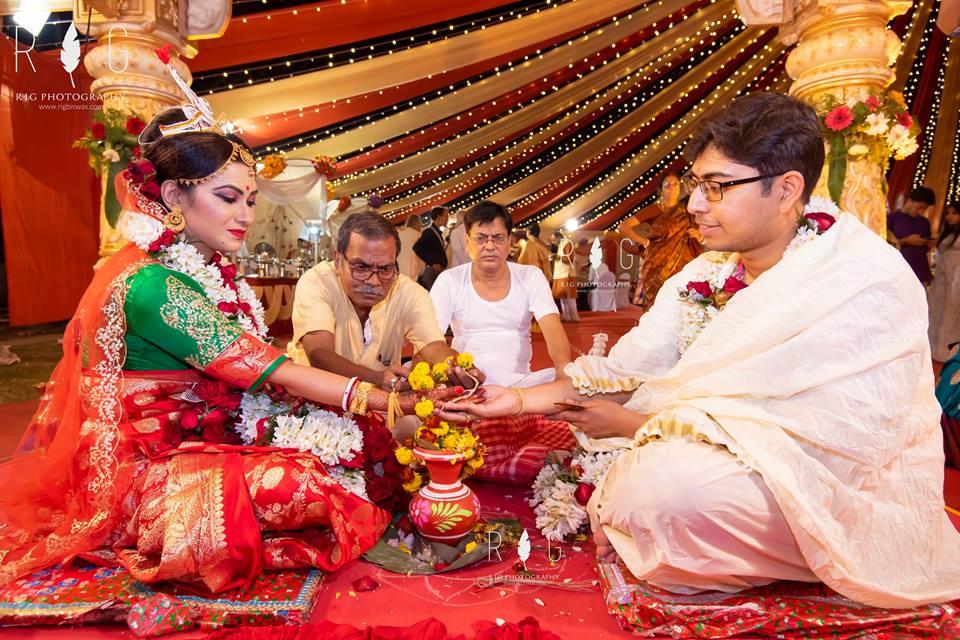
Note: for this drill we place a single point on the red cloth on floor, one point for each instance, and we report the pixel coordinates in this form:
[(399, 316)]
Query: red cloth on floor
[(517, 446), (429, 629)]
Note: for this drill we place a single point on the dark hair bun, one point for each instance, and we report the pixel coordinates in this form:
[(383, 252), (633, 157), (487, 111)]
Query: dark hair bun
[(185, 156)]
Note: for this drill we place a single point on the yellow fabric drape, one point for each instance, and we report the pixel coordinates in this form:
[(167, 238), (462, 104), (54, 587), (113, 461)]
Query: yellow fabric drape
[(674, 137), (573, 93), (490, 88), (342, 82), (596, 146)]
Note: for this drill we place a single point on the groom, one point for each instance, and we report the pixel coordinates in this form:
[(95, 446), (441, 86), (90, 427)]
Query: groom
[(776, 404)]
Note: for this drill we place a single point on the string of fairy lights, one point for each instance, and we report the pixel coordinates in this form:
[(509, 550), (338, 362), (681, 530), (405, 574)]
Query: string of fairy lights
[(541, 93), (628, 102), (665, 22), (250, 7), (929, 129), (953, 181), (917, 68), (227, 78), (623, 144), (535, 165), (293, 143), (600, 180), (656, 140), (639, 206), (502, 160), (640, 184), (654, 173), (698, 108)]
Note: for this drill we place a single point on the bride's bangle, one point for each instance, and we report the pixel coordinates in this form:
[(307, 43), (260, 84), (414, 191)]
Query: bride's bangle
[(358, 400), (351, 383), (523, 404)]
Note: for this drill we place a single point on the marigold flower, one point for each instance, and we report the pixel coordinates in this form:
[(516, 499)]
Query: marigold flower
[(450, 442), (404, 455), (414, 484), (424, 408), (468, 440), (422, 367), (440, 372)]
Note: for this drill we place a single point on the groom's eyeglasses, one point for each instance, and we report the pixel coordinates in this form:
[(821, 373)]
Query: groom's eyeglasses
[(713, 190)]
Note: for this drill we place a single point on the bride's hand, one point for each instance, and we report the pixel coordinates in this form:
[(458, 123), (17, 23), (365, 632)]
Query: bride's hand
[(439, 395), (490, 401)]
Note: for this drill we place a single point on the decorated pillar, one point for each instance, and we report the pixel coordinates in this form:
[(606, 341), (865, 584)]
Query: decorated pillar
[(128, 76), (843, 55)]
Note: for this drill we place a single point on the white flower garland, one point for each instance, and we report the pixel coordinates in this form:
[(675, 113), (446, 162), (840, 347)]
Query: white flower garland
[(142, 230), (325, 434), (694, 317), (558, 514), (333, 438)]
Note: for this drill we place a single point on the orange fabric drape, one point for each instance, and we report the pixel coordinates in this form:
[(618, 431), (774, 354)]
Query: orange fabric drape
[(48, 193)]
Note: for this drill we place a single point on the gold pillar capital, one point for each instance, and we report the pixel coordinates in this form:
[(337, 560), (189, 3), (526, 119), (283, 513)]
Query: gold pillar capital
[(842, 46), (128, 75)]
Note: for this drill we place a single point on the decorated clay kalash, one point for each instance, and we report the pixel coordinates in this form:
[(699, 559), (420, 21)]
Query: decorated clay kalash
[(445, 510)]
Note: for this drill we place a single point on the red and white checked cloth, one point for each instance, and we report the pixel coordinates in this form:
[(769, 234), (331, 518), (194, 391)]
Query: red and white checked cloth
[(517, 446)]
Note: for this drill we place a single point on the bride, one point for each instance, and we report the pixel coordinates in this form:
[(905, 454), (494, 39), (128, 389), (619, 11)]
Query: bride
[(132, 457)]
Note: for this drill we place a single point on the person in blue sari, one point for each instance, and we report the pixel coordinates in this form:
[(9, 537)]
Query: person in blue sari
[(948, 393)]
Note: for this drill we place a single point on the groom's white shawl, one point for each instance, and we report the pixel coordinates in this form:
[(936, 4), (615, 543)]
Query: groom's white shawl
[(818, 376)]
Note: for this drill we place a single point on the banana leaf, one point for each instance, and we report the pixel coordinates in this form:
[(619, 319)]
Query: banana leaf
[(395, 560), (837, 168)]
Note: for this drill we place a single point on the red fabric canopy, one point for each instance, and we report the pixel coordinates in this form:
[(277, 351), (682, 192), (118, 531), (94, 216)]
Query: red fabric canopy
[(334, 24)]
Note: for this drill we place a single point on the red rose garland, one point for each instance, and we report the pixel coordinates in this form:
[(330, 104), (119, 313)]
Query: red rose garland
[(704, 293)]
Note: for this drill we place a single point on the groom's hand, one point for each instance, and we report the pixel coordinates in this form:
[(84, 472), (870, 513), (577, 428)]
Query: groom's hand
[(602, 419), (466, 378)]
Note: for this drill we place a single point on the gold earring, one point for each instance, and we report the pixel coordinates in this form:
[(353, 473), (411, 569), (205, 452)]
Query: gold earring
[(174, 220)]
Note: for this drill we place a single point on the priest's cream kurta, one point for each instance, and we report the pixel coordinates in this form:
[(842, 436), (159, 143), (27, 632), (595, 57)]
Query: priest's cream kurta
[(817, 377), (404, 315)]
